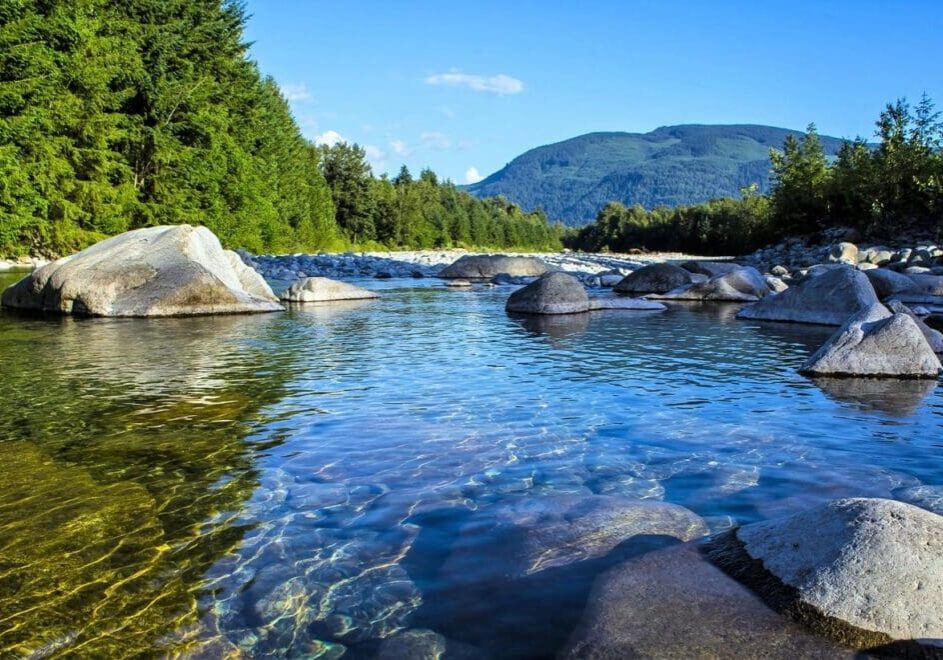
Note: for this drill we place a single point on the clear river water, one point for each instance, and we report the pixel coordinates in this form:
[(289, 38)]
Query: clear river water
[(299, 484)]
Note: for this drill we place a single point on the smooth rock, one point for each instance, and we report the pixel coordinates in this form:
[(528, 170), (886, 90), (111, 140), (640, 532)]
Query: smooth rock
[(610, 280), (887, 283), (487, 266), (878, 255), (654, 278), (828, 299), (846, 253), (876, 343), (176, 270), (865, 571), (780, 271), (738, 285), (322, 289), (624, 302), (933, 337), (673, 603), (553, 293), (458, 284), (775, 284), (710, 268)]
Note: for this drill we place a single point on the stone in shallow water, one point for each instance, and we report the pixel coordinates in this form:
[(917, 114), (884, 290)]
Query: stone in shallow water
[(829, 299), (322, 289), (738, 285), (422, 644), (174, 270), (655, 278), (553, 293), (865, 571), (876, 343), (479, 266), (673, 603), (624, 302)]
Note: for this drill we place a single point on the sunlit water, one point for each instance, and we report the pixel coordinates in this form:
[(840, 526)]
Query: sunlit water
[(297, 484)]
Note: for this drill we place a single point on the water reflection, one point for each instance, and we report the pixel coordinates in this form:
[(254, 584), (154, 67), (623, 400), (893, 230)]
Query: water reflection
[(887, 395), (555, 327)]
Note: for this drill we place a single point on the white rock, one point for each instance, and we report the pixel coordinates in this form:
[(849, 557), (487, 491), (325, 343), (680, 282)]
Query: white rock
[(322, 289), (176, 270)]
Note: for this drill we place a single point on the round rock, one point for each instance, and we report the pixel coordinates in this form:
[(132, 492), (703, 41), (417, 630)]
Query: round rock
[(654, 278), (553, 293), (322, 289), (486, 266)]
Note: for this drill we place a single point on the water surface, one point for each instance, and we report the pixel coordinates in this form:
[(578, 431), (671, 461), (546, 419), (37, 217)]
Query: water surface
[(301, 484)]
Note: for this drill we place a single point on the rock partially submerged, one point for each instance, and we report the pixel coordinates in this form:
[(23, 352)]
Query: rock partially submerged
[(876, 343), (176, 270), (553, 293), (828, 299), (737, 285), (624, 302), (654, 278), (322, 289), (673, 603), (486, 266), (866, 572)]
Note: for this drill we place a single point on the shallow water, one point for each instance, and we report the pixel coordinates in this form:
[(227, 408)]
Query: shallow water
[(310, 483)]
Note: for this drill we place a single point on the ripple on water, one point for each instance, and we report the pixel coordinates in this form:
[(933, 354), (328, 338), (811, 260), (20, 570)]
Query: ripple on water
[(300, 483)]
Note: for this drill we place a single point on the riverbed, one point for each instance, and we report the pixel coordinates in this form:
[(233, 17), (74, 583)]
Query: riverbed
[(310, 483)]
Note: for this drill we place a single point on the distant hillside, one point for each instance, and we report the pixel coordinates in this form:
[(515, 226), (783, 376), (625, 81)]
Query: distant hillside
[(573, 179)]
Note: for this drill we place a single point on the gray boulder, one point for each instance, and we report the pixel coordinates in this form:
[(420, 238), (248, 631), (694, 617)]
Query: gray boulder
[(827, 299), (888, 283), (322, 289), (486, 266), (738, 285), (865, 571), (933, 337), (176, 270), (710, 268), (674, 603), (553, 293), (875, 343), (654, 278)]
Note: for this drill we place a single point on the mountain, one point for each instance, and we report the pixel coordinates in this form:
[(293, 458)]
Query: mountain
[(573, 179)]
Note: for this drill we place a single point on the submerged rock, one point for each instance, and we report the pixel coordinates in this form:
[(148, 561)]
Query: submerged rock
[(624, 302), (827, 299), (863, 571), (673, 603), (176, 270), (655, 278), (480, 266), (553, 293), (322, 289), (738, 285), (876, 343)]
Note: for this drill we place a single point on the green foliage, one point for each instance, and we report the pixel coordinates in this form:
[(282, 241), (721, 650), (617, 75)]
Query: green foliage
[(881, 190), (670, 166), (424, 213)]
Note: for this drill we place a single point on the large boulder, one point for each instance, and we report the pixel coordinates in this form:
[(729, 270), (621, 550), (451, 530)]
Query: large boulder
[(888, 283), (875, 343), (176, 270), (654, 278), (486, 266), (739, 285), (553, 293), (322, 289), (865, 571), (827, 299), (673, 603), (710, 268)]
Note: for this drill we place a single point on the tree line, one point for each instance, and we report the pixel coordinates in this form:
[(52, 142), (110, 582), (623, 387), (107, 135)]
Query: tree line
[(881, 189), (118, 115)]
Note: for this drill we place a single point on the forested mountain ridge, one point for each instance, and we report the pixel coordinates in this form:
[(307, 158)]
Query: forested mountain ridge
[(670, 166)]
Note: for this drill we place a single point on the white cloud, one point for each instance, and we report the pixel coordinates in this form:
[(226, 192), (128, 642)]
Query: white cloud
[(329, 139), (400, 148), (472, 175), (434, 140), (296, 93), (373, 152), (501, 84)]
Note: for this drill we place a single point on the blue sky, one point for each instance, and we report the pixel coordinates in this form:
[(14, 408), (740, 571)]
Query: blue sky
[(465, 87)]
